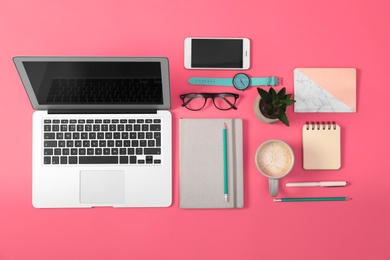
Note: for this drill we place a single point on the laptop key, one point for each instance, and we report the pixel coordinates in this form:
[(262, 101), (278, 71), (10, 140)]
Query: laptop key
[(49, 136), (157, 137), (64, 160), (151, 151), (156, 127), (47, 160), (133, 159), (50, 143), (48, 151), (55, 160), (72, 160), (98, 159), (124, 159), (149, 159)]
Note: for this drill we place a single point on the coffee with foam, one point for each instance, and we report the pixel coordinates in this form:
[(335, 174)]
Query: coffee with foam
[(274, 159)]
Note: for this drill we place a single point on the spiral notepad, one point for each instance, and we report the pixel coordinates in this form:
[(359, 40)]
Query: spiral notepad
[(321, 146)]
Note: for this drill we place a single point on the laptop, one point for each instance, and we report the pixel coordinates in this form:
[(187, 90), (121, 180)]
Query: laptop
[(102, 131)]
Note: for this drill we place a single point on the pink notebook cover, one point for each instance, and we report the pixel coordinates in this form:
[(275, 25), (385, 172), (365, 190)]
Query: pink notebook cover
[(325, 90)]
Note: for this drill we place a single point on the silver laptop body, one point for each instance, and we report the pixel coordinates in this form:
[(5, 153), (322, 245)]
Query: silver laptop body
[(101, 131)]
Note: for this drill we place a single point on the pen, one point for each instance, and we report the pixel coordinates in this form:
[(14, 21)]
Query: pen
[(318, 184), (311, 199), (225, 175)]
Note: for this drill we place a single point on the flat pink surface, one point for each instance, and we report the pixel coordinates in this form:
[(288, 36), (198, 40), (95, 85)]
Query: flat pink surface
[(284, 35)]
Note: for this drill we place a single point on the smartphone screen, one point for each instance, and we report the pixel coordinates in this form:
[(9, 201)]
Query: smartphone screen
[(218, 53)]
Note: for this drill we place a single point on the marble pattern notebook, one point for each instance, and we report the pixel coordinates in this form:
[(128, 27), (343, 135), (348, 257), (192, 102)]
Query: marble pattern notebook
[(325, 90)]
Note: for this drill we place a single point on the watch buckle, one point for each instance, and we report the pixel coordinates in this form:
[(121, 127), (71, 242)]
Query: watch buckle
[(279, 81)]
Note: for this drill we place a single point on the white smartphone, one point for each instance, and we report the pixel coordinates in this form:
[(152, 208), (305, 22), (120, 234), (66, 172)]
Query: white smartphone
[(217, 53)]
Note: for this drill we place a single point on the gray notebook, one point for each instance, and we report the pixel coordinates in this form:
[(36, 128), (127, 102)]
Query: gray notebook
[(202, 163)]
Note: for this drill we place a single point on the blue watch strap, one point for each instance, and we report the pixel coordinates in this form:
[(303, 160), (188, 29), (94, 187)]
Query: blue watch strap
[(211, 81), (267, 81)]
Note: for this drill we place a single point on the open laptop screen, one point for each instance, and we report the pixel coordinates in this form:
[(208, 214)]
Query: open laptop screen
[(95, 82), (105, 83)]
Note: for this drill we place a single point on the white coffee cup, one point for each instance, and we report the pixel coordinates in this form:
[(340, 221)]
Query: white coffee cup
[(274, 159)]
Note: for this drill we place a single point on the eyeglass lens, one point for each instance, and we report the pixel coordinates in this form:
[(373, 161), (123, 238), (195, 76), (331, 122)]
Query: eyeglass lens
[(222, 101)]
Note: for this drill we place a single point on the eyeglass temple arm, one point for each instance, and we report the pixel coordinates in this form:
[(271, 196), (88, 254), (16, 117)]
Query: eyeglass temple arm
[(188, 101), (232, 105)]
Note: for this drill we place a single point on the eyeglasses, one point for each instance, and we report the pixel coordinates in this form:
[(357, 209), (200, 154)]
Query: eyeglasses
[(222, 101)]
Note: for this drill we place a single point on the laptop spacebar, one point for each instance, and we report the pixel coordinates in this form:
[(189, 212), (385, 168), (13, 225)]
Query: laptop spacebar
[(98, 159)]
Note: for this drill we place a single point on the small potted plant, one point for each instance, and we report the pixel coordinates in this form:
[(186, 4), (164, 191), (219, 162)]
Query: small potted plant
[(271, 106)]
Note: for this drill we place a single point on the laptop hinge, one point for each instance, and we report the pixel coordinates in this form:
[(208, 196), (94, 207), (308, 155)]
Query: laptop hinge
[(98, 111)]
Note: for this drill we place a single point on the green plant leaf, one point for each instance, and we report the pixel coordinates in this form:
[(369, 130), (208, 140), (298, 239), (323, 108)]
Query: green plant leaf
[(283, 117), (287, 103), (274, 94), (264, 95), (281, 93)]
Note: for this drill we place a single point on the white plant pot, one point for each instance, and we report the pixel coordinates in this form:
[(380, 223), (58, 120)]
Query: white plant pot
[(259, 115)]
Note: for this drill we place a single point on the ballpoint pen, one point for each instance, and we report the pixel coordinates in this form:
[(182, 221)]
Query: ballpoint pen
[(318, 184), (225, 175)]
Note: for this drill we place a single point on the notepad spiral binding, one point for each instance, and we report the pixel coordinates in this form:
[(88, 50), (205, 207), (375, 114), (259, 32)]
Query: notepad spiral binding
[(317, 125)]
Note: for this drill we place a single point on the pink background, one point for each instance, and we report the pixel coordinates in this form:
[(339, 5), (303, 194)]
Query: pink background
[(284, 35)]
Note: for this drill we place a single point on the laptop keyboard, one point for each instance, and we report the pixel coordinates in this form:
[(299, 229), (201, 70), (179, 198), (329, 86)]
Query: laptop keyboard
[(102, 141)]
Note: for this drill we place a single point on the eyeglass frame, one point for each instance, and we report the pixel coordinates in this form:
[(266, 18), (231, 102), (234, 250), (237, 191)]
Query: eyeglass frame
[(211, 95)]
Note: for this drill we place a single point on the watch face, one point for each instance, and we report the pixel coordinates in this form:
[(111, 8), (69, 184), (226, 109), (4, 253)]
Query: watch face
[(241, 81)]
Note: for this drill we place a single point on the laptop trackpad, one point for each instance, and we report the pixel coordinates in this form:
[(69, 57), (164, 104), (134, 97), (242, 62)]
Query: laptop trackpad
[(102, 186)]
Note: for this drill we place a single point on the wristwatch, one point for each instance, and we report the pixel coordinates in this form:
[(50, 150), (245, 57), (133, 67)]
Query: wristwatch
[(240, 81)]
